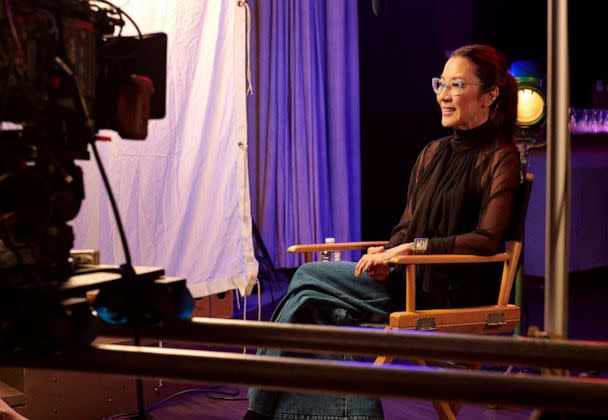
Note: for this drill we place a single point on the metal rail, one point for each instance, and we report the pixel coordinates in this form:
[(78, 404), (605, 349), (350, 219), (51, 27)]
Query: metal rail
[(291, 374), (368, 341)]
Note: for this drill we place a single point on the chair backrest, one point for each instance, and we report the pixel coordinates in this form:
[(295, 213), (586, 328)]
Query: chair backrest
[(523, 198), (514, 240)]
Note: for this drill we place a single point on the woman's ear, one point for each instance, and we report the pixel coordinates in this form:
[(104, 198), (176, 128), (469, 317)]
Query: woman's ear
[(491, 96)]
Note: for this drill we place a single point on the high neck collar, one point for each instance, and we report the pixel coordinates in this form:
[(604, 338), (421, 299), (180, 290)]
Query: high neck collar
[(473, 138)]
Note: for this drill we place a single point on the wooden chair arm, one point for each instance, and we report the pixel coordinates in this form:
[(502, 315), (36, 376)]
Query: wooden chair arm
[(412, 260), (449, 259), (342, 246), (308, 249)]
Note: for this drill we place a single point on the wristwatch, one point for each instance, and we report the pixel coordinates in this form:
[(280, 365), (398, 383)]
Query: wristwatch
[(420, 246)]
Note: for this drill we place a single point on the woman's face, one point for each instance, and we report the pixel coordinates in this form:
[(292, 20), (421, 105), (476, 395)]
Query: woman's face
[(471, 107)]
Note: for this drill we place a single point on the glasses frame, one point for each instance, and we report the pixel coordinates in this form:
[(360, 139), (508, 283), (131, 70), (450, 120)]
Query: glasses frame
[(449, 85)]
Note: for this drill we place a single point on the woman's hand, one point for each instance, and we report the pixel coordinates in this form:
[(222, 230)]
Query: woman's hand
[(375, 249), (379, 272), (375, 264)]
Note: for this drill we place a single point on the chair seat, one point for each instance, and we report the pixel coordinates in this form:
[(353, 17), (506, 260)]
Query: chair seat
[(478, 320)]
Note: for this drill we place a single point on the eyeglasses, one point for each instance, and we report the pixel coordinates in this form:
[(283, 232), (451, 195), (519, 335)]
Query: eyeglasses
[(453, 87)]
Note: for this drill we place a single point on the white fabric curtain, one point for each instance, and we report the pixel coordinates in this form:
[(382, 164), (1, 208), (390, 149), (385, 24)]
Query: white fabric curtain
[(183, 193)]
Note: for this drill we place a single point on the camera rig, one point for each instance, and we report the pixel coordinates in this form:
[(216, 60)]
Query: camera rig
[(66, 72)]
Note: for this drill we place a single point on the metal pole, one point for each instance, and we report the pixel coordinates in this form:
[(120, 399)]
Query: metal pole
[(291, 374), (565, 354), (558, 170)]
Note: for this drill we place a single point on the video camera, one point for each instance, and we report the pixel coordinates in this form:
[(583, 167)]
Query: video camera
[(66, 72)]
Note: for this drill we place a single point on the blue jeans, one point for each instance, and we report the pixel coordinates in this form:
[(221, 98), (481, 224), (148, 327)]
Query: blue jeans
[(326, 293)]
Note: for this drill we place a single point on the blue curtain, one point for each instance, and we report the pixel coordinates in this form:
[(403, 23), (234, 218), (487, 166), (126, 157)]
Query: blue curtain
[(303, 123)]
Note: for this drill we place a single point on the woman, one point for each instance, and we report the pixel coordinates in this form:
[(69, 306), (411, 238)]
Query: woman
[(460, 200)]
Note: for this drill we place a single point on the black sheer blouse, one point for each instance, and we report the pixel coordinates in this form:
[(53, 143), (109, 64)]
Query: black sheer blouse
[(461, 196)]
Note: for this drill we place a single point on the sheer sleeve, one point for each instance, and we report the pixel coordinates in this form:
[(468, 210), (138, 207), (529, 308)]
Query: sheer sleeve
[(500, 184), (399, 232)]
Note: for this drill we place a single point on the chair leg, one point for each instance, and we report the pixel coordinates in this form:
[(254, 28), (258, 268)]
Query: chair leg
[(444, 410), (455, 408), (380, 360)]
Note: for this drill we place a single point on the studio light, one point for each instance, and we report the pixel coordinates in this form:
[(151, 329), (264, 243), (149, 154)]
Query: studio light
[(530, 108), (531, 105)]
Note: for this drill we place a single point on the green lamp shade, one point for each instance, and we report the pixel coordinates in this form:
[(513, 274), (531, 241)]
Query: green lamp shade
[(530, 107)]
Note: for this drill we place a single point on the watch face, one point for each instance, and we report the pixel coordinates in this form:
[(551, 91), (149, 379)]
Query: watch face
[(420, 245)]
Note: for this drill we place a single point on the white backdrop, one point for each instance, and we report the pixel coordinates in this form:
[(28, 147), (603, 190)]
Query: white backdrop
[(184, 192)]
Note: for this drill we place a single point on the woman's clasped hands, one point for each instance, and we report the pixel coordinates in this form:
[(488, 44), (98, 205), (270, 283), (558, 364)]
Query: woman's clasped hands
[(376, 261)]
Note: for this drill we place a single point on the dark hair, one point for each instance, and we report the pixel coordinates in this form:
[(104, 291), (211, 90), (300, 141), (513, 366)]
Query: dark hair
[(493, 70)]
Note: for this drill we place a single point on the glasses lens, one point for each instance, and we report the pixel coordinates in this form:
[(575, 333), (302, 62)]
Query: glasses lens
[(437, 84), (455, 87)]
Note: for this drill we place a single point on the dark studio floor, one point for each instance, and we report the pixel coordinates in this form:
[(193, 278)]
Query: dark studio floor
[(587, 291), (197, 406)]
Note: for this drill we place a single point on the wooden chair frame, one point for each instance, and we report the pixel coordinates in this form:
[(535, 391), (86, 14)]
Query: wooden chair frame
[(490, 320)]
